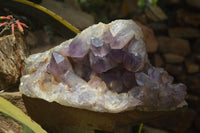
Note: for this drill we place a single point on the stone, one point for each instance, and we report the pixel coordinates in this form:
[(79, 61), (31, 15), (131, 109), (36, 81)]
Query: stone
[(55, 69), (188, 18), (158, 61), (194, 101), (155, 13), (148, 129), (182, 78), (193, 3), (175, 70), (192, 67), (173, 58), (188, 33), (123, 129), (76, 120), (194, 83), (140, 17), (197, 58), (196, 46), (197, 121), (173, 45), (175, 123), (149, 39), (118, 81), (13, 52), (158, 27)]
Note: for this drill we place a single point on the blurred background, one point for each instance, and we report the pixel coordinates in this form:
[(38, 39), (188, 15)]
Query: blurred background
[(171, 32)]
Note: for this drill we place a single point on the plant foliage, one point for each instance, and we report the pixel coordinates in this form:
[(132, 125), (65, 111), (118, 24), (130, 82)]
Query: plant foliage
[(9, 110), (144, 3)]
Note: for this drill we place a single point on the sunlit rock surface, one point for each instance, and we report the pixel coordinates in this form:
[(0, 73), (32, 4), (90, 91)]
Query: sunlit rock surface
[(105, 68)]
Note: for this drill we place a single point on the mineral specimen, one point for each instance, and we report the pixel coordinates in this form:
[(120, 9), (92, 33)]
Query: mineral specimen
[(105, 68)]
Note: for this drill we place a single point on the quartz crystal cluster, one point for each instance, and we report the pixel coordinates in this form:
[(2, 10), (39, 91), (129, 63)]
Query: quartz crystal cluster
[(104, 68)]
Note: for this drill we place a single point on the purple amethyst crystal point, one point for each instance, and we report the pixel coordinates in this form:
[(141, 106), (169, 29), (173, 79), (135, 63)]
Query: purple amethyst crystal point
[(117, 55), (142, 79), (159, 93), (137, 47), (123, 32), (132, 62), (79, 46), (97, 42), (158, 74), (135, 57), (98, 47), (179, 92), (100, 40), (58, 65), (128, 79), (72, 79), (101, 64), (154, 75)]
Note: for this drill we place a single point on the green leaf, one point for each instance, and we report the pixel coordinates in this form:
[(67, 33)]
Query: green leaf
[(141, 4), (154, 2), (27, 129), (10, 110)]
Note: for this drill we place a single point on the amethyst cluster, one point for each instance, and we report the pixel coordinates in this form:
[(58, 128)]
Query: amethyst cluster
[(104, 68)]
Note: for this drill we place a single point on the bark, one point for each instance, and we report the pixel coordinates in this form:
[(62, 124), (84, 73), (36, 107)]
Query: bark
[(13, 52)]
